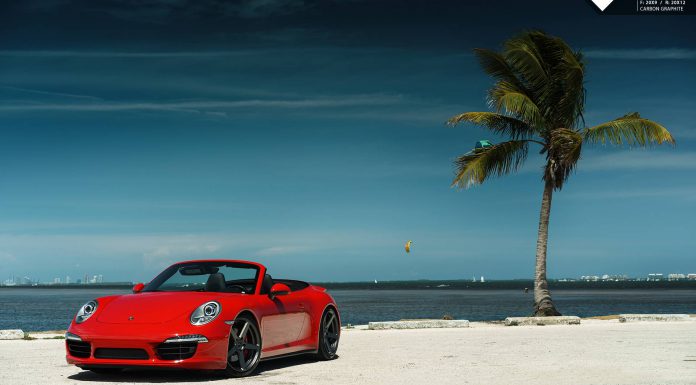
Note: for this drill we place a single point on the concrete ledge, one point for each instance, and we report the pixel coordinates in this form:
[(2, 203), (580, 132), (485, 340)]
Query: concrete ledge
[(418, 324), (560, 320), (46, 335), (653, 317), (11, 334)]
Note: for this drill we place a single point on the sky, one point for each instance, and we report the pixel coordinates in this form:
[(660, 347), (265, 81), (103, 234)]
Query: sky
[(309, 135)]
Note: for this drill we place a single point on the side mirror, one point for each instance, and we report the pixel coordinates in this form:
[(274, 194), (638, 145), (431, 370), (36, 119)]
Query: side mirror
[(279, 289), (138, 288)]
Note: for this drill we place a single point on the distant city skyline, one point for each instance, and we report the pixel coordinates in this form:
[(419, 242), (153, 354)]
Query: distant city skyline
[(63, 280), (312, 139), (99, 279)]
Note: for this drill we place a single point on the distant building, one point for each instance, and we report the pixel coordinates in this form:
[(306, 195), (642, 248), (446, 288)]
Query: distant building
[(67, 280), (482, 280), (56, 281), (655, 277), (675, 276), (592, 278), (607, 277), (691, 276)]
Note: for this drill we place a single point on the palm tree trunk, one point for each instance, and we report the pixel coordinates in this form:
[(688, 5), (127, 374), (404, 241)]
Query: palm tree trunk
[(543, 305)]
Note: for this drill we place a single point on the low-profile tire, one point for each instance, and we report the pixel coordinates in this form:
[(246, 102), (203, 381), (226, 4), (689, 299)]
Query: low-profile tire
[(105, 371), (244, 349), (329, 334)]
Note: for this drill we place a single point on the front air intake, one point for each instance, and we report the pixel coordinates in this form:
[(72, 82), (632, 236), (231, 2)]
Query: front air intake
[(176, 350), (121, 354), (79, 349)]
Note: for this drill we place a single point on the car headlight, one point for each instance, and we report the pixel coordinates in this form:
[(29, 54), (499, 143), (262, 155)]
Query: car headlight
[(86, 311), (205, 313)]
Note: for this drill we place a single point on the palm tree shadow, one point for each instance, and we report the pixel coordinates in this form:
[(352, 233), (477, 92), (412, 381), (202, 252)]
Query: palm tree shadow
[(154, 376)]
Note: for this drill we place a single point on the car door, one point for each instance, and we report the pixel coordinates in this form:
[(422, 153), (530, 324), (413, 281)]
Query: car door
[(283, 321)]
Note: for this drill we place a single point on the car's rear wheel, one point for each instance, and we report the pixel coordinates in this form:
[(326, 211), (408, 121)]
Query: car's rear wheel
[(244, 351), (329, 333)]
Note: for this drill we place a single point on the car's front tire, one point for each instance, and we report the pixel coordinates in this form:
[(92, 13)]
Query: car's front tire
[(244, 349), (329, 334)]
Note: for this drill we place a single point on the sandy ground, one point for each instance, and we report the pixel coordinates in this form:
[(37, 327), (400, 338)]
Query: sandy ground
[(596, 352)]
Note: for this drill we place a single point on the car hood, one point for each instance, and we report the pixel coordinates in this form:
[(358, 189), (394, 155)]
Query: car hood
[(154, 307)]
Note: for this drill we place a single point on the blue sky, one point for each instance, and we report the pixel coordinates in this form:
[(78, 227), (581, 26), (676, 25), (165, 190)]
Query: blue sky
[(309, 136)]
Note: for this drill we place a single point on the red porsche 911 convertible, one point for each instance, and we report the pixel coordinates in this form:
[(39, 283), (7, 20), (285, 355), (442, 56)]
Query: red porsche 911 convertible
[(213, 314)]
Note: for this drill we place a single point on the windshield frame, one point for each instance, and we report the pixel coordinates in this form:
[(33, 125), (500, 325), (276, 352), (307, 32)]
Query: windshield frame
[(153, 286)]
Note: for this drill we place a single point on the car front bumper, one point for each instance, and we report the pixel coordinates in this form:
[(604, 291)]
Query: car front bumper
[(123, 345)]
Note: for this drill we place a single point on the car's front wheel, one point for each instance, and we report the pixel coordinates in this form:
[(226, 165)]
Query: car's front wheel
[(329, 333), (244, 351)]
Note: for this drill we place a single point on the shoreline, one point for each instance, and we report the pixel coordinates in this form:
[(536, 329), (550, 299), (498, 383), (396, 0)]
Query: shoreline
[(609, 317)]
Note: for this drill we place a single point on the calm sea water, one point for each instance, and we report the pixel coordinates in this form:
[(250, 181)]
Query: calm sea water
[(52, 309)]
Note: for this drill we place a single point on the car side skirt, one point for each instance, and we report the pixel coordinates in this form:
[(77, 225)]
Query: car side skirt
[(299, 353)]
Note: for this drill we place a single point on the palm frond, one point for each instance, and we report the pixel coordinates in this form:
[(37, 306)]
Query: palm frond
[(630, 129), (570, 74), (554, 74), (498, 123), (500, 159), (506, 97), (495, 65), (523, 56)]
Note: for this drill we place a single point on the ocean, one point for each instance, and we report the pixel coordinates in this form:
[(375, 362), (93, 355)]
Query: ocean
[(33, 309)]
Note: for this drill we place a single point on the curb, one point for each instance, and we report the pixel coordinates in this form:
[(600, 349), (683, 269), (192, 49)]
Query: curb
[(418, 324), (11, 334), (542, 321), (653, 317)]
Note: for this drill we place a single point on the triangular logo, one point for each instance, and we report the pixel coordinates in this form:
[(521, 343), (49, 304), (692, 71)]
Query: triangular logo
[(602, 4)]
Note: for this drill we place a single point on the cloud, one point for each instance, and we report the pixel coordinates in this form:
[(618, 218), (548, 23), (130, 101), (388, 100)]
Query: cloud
[(7, 257), (177, 249), (639, 160), (157, 250), (197, 106), (253, 9), (161, 11), (49, 93), (636, 159), (685, 193), (280, 250), (642, 54), (126, 54), (355, 53)]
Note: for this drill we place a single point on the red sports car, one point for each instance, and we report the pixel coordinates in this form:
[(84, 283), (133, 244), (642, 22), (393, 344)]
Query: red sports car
[(212, 314)]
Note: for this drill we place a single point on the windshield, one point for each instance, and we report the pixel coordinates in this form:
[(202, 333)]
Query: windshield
[(223, 277)]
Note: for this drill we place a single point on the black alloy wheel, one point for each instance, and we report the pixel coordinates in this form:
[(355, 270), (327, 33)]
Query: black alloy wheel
[(244, 351)]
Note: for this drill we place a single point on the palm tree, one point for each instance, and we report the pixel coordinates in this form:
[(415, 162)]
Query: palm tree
[(539, 99)]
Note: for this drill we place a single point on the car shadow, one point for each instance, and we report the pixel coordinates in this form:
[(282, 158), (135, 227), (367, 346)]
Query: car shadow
[(280, 363), (154, 375)]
